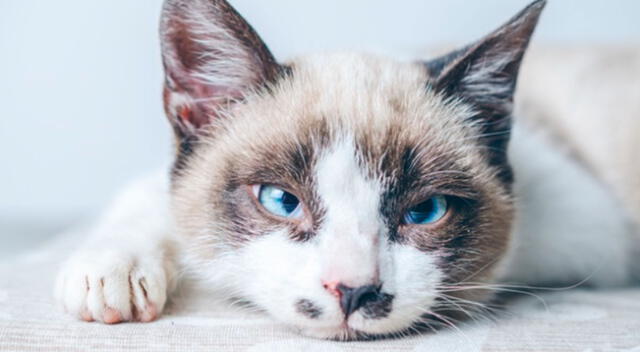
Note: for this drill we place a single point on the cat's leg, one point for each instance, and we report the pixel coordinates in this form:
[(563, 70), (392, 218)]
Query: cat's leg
[(126, 268)]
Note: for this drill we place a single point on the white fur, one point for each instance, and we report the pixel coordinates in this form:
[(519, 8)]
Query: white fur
[(569, 228), (126, 259), (353, 230)]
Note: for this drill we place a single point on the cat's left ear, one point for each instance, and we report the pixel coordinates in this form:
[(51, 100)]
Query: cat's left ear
[(212, 59), (484, 73)]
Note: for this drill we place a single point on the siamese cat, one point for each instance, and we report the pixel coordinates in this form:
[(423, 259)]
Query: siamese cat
[(347, 195)]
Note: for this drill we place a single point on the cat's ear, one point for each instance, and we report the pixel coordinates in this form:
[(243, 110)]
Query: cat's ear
[(212, 57), (484, 73)]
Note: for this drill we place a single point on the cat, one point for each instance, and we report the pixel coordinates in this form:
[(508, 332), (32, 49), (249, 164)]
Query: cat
[(347, 195)]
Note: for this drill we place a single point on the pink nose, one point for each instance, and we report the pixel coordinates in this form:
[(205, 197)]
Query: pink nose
[(332, 287)]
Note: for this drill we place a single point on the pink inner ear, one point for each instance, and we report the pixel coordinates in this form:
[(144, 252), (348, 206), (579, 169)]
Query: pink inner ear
[(185, 113), (211, 56), (199, 104)]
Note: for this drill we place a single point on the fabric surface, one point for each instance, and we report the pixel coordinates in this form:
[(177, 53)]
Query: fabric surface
[(566, 320)]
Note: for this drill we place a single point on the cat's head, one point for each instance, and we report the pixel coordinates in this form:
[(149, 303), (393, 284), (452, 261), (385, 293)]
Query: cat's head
[(345, 194)]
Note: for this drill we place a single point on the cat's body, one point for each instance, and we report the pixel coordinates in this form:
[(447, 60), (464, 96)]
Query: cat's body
[(314, 189)]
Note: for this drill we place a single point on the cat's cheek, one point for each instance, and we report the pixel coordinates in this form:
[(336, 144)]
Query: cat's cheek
[(283, 277), (413, 277), (278, 274)]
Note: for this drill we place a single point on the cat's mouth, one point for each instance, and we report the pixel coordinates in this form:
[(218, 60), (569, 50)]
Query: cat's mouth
[(370, 317), (384, 329)]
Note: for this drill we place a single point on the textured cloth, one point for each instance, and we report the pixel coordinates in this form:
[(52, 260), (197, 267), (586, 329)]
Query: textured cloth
[(567, 320)]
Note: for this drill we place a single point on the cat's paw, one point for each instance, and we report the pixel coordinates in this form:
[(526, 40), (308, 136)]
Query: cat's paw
[(112, 287)]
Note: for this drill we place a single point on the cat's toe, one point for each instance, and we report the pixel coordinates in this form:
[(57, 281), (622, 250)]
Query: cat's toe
[(148, 295), (71, 293), (108, 296)]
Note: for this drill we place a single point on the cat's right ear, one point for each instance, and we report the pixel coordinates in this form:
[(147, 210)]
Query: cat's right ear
[(212, 57)]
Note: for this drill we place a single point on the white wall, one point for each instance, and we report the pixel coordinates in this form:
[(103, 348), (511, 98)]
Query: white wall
[(80, 80)]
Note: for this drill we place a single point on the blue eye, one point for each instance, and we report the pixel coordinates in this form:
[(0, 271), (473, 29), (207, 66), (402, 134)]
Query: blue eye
[(279, 202), (427, 212)]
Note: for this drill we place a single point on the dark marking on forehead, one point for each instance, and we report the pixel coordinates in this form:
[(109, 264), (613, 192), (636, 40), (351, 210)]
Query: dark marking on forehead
[(409, 162), (413, 170)]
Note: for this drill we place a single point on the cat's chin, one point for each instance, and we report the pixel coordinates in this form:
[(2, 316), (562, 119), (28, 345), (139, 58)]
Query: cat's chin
[(338, 333), (344, 332)]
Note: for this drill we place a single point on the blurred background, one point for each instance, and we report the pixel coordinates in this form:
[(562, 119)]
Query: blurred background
[(80, 82)]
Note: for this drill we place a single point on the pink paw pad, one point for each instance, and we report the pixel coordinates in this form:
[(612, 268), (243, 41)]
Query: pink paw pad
[(86, 316), (112, 316), (149, 314)]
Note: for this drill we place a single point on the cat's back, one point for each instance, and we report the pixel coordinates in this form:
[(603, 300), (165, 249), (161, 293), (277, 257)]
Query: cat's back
[(588, 98)]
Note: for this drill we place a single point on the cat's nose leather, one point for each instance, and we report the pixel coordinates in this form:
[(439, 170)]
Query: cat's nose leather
[(351, 299), (332, 287)]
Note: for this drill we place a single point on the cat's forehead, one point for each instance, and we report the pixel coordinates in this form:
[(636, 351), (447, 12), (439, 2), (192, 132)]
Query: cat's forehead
[(396, 128), (360, 89), (383, 106)]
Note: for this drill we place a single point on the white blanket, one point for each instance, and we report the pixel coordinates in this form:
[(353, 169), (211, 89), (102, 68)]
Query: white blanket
[(567, 320)]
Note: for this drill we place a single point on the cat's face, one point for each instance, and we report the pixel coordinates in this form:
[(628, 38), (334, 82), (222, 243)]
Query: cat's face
[(346, 195)]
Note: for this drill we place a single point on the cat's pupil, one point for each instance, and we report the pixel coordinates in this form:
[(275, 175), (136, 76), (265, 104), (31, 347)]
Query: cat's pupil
[(279, 202), (289, 202), (423, 211), (427, 212)]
